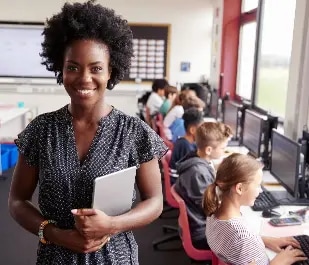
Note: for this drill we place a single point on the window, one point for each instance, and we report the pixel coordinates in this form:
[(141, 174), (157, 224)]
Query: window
[(248, 5), (246, 60), (276, 36)]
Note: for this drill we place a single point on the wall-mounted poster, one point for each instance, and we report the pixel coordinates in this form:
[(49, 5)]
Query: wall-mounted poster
[(151, 47)]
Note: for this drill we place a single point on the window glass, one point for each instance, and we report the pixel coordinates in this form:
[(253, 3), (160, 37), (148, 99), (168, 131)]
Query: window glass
[(274, 55), (246, 60), (248, 5)]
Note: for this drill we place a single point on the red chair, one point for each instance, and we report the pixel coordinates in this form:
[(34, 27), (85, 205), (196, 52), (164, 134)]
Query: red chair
[(169, 143), (192, 252), (167, 180), (170, 201)]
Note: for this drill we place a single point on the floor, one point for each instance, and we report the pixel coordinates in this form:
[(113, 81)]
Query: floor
[(18, 247)]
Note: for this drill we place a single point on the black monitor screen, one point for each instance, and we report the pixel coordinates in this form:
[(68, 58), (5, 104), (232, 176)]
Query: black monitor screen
[(285, 161), (230, 116), (252, 134)]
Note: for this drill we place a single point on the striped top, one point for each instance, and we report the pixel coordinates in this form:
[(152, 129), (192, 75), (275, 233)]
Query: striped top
[(234, 243)]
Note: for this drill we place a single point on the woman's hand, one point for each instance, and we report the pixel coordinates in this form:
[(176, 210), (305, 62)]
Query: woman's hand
[(92, 223), (73, 240), (288, 256), (277, 243)]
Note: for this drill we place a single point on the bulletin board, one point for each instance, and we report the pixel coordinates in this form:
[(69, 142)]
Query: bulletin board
[(151, 52)]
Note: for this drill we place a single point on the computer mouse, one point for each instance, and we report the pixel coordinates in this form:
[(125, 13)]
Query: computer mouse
[(270, 213)]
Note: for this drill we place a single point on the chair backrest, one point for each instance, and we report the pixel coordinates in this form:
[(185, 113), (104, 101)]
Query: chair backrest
[(160, 118), (169, 143), (148, 116), (167, 180), (183, 222)]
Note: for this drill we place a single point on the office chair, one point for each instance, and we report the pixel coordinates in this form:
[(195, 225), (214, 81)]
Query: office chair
[(171, 204), (185, 235), (169, 199), (169, 143)]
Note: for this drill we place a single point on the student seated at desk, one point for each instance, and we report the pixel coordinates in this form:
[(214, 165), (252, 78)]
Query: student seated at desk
[(192, 119), (156, 97), (196, 172), (177, 128), (171, 93), (176, 111), (238, 183)]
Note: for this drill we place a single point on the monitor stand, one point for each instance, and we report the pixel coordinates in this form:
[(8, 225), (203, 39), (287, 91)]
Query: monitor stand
[(285, 198)]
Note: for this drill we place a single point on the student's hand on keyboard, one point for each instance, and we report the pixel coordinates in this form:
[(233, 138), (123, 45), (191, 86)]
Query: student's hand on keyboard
[(288, 256), (277, 243)]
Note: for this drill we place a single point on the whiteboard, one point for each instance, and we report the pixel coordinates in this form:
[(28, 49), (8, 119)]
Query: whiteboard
[(20, 47)]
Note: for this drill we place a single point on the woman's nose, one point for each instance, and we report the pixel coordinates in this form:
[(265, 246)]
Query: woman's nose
[(86, 76)]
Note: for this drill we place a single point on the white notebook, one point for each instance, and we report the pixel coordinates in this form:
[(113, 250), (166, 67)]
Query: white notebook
[(113, 193)]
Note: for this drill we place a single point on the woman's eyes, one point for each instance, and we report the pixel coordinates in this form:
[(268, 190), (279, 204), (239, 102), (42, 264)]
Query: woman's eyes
[(72, 68), (94, 69)]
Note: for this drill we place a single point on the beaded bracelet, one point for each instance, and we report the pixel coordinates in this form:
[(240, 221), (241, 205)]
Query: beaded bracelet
[(41, 230)]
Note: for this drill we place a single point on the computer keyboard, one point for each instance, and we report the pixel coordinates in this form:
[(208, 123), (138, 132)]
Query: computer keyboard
[(304, 243), (265, 201)]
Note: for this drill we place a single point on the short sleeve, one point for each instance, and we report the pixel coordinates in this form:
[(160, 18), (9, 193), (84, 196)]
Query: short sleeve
[(28, 142), (147, 144)]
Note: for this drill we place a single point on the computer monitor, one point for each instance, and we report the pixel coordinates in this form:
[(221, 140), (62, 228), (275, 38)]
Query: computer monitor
[(285, 161), (254, 128), (231, 117)]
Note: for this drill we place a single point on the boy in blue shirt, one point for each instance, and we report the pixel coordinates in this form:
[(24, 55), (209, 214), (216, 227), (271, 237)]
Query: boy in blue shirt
[(192, 118)]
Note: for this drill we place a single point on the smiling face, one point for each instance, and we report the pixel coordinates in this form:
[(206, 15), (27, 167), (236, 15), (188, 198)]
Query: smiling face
[(86, 71)]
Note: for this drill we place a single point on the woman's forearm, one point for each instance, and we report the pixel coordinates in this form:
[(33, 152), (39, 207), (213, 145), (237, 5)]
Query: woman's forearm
[(26, 214), (144, 213)]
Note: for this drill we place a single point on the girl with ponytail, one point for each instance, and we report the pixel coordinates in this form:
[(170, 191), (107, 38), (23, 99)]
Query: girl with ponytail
[(238, 183)]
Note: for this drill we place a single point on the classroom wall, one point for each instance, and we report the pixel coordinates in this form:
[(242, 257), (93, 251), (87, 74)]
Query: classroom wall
[(191, 27), (297, 105)]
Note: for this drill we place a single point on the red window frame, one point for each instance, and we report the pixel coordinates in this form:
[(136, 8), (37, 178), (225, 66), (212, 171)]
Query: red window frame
[(233, 19)]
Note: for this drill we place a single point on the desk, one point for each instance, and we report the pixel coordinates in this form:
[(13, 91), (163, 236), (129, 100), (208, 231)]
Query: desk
[(259, 224), (12, 121), (209, 119), (229, 150)]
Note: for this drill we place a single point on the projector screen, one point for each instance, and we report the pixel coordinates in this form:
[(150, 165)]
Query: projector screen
[(20, 47)]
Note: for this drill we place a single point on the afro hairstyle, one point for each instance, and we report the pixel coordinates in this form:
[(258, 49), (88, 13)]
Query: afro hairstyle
[(81, 21)]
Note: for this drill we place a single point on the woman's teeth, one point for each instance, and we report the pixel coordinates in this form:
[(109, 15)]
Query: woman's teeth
[(85, 92)]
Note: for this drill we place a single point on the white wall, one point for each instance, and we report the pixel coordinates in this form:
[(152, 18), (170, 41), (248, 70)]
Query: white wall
[(297, 105), (215, 64), (191, 27)]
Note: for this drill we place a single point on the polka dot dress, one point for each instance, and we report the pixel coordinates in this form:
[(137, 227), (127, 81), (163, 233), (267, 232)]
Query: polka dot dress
[(65, 183)]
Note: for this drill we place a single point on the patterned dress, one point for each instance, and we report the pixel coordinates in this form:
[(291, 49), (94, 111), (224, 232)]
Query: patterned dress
[(48, 142)]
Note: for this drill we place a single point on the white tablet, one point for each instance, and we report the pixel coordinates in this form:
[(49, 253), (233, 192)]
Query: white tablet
[(113, 193)]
